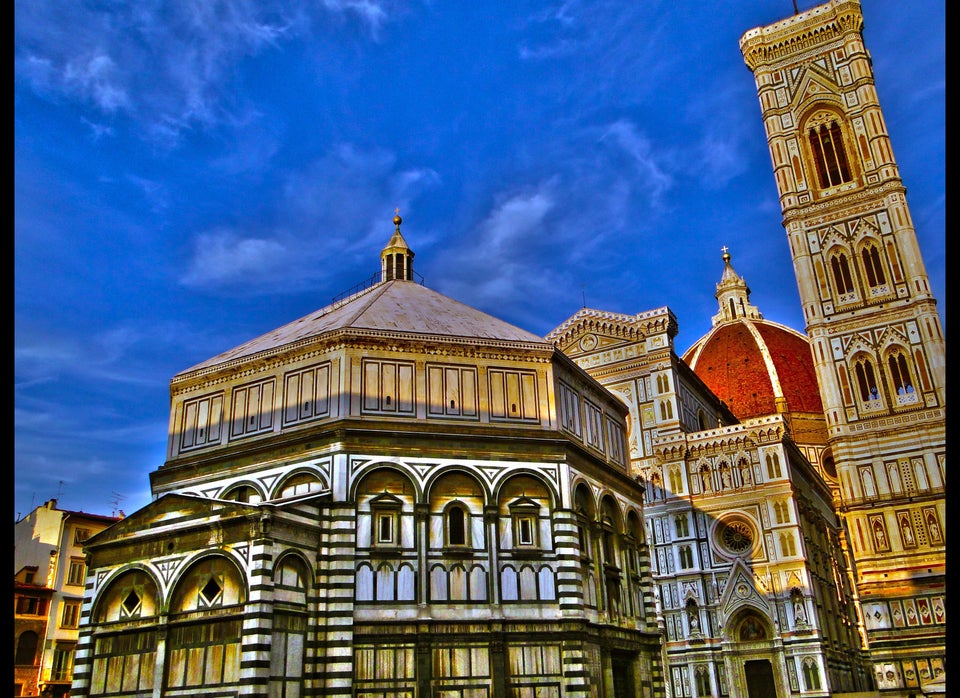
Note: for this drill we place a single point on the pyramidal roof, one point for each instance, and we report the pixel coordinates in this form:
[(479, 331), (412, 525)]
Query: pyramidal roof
[(397, 305)]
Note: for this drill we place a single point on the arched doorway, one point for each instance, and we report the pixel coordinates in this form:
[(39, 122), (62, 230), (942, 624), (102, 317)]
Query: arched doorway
[(754, 656)]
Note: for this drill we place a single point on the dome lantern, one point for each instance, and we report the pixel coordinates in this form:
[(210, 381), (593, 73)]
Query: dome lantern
[(396, 259), (733, 294)]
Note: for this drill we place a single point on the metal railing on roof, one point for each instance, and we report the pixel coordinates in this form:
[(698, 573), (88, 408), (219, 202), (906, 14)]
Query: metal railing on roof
[(369, 283)]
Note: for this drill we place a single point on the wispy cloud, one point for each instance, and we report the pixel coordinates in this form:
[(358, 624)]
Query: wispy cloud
[(639, 148), (110, 355), (343, 201), (500, 260), (225, 256), (371, 14), (170, 67), (515, 220)]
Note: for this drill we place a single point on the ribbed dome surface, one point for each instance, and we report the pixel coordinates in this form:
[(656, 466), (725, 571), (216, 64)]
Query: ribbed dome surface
[(750, 364)]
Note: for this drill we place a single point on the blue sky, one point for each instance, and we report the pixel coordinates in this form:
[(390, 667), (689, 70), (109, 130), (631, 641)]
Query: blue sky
[(189, 175)]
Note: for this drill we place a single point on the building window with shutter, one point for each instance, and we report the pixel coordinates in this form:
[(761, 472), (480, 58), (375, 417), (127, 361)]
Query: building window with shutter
[(77, 572), (70, 615)]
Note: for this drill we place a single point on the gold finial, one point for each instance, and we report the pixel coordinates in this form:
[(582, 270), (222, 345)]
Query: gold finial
[(726, 254), (397, 220)]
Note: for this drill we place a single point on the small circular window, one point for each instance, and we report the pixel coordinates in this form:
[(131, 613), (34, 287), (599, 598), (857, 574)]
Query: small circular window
[(829, 466), (736, 535)]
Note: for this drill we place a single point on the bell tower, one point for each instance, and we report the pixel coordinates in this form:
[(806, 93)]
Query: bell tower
[(872, 321)]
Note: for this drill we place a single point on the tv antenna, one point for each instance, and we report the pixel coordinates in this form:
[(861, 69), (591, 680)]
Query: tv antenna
[(117, 497)]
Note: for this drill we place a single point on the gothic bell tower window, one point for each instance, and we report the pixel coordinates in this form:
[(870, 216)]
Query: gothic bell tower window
[(866, 382), (900, 378), (871, 264), (828, 151), (842, 279)]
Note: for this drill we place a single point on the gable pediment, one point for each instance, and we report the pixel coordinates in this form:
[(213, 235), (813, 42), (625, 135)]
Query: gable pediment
[(741, 590), (183, 511), (590, 331), (814, 84), (386, 501), (523, 503)]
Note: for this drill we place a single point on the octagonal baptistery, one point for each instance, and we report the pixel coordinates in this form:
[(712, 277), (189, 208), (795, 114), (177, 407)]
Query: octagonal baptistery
[(397, 493), (758, 367)]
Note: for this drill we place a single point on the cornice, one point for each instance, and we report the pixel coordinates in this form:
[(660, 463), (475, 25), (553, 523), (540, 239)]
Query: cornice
[(801, 34), (864, 200), (427, 346), (629, 327)]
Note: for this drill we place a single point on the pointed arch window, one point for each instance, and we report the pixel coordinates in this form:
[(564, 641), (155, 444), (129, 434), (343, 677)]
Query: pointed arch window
[(663, 384), (788, 545), (811, 674), (841, 273), (682, 525), (829, 152), (666, 410), (773, 466), (866, 380), (871, 264), (703, 680), (899, 373)]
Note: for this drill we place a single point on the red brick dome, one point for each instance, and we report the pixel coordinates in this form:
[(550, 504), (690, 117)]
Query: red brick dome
[(757, 367)]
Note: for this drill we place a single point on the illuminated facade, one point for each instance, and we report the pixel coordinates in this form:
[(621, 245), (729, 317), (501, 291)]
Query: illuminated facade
[(872, 320)]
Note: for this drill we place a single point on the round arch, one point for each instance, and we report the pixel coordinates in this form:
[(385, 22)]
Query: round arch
[(381, 477), (245, 492), (634, 526), (584, 502), (610, 512), (299, 482), (129, 593), (297, 562), (456, 473), (507, 489), (208, 580)]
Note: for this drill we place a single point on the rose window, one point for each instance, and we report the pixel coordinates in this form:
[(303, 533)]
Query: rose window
[(737, 536)]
